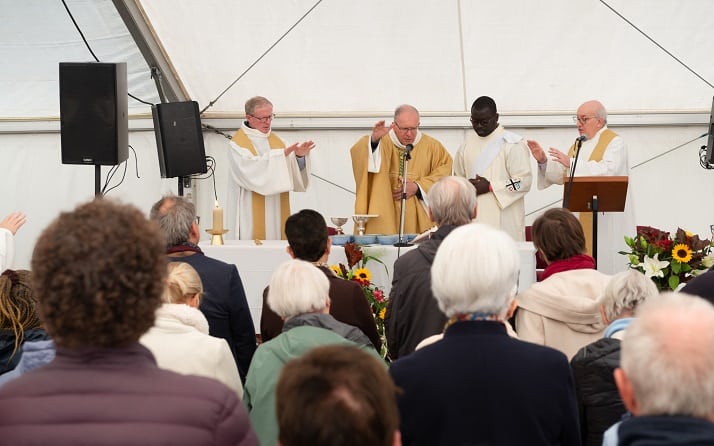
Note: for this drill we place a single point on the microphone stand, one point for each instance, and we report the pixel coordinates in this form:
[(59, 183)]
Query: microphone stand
[(578, 144), (405, 164)]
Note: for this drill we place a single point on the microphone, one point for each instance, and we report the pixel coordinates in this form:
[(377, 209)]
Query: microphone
[(578, 142), (407, 151)]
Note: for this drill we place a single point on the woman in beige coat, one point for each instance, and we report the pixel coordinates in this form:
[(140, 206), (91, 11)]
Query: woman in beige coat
[(179, 339)]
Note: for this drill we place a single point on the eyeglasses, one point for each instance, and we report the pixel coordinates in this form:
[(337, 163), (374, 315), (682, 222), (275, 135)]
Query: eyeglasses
[(582, 119), (264, 118), (481, 122), (407, 129)]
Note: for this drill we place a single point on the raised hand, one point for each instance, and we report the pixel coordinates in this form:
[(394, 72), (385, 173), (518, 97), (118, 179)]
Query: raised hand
[(379, 130), (13, 221), (537, 151), (559, 157), (304, 148)]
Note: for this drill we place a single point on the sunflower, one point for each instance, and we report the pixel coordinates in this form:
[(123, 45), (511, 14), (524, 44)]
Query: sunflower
[(363, 274), (681, 253), (336, 269)]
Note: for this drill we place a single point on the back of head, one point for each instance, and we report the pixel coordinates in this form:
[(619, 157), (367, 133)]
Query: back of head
[(558, 235), (625, 291), (484, 102), (182, 283), (452, 201), (475, 270), (255, 102), (99, 273), (336, 395), (667, 356), (174, 215), (307, 234), (18, 304), (298, 287)]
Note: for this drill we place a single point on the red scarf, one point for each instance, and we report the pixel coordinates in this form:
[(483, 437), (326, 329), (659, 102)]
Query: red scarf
[(580, 261)]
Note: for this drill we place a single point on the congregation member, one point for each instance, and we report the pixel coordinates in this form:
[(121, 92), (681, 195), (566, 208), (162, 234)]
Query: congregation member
[(8, 228), (599, 402), (563, 309), (478, 385), (98, 273), (602, 153), (263, 172), (377, 167), (299, 293), (308, 240), (498, 163), (412, 312), (702, 286), (337, 395), (20, 322), (666, 374), (179, 339), (224, 302)]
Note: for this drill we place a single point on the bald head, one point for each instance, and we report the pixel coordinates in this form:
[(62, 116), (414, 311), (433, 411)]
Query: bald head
[(592, 116), (667, 358)]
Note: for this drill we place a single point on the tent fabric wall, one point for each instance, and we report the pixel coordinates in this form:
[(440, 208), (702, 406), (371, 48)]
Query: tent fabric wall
[(361, 59)]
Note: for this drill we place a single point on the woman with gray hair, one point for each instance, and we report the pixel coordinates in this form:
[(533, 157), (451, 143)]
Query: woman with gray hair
[(477, 383), (599, 402), (298, 293)]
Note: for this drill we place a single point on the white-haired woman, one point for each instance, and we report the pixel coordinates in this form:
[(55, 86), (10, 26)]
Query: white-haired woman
[(478, 385), (299, 294), (593, 365), (179, 339)]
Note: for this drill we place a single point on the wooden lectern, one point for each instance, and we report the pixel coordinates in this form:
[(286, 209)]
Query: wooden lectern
[(596, 194)]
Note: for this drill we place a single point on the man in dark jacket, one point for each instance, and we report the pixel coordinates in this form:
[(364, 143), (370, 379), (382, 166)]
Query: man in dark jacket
[(99, 274), (308, 240), (412, 314), (224, 302), (666, 376)]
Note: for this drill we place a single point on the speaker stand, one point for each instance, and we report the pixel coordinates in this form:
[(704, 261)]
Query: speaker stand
[(98, 179)]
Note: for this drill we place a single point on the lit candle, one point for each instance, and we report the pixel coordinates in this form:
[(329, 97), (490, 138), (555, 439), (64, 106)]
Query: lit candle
[(217, 218)]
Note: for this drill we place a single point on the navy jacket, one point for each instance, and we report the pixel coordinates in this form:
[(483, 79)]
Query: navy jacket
[(478, 386)]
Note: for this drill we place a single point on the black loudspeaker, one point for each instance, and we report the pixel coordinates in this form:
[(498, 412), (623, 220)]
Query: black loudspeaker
[(179, 139), (710, 141), (94, 119)]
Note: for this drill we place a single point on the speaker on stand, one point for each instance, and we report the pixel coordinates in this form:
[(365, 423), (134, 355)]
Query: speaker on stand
[(94, 121)]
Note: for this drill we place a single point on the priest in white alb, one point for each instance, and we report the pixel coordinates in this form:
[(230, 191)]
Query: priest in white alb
[(263, 171)]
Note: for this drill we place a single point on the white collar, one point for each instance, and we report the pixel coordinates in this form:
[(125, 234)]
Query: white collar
[(395, 140), (186, 315), (253, 132)]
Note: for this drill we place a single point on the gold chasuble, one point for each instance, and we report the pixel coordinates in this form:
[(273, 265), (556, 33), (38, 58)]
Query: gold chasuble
[(429, 162), (586, 218), (258, 200)]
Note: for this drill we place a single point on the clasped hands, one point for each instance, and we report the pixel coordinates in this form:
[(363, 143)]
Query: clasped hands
[(539, 154), (300, 149), (482, 185)]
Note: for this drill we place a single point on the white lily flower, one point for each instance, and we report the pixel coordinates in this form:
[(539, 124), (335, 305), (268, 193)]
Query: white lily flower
[(708, 260), (653, 266)]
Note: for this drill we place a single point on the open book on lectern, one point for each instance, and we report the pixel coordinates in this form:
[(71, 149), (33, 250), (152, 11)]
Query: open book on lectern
[(611, 192)]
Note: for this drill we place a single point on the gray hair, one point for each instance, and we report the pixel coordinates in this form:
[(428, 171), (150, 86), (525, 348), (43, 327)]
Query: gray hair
[(452, 201), (298, 287), (174, 215), (625, 291), (667, 356), (601, 112), (475, 270), (255, 102)]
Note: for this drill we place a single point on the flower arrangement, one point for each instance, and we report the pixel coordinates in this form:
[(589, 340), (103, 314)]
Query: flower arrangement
[(668, 261), (357, 271)]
